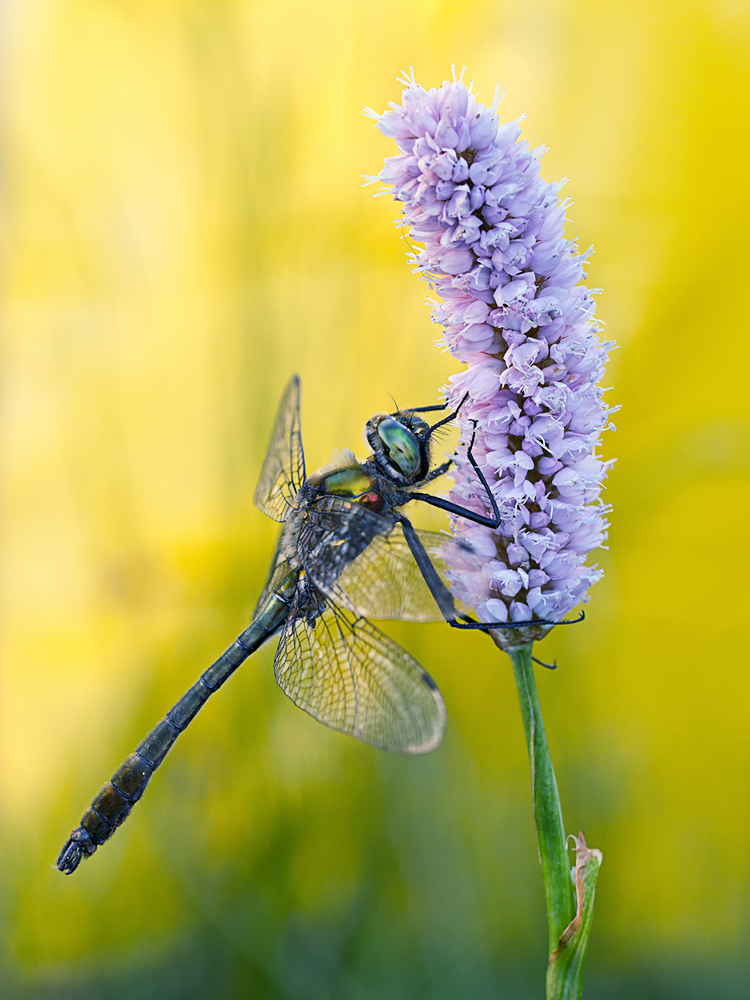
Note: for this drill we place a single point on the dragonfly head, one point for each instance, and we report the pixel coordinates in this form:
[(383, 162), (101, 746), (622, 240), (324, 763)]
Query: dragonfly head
[(401, 446)]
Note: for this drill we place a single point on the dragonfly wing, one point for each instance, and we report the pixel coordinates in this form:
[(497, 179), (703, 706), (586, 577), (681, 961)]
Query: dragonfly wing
[(362, 560), (350, 676), (283, 471), (385, 582), (332, 534)]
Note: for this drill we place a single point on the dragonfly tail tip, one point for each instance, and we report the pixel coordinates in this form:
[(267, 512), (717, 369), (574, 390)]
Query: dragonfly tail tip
[(78, 846)]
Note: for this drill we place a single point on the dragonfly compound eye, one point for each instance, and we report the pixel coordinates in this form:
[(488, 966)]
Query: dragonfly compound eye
[(401, 444)]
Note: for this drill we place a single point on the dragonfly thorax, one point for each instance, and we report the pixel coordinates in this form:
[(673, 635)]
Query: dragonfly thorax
[(353, 482), (400, 446)]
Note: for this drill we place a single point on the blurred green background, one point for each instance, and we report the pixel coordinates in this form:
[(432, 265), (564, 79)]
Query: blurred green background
[(183, 228)]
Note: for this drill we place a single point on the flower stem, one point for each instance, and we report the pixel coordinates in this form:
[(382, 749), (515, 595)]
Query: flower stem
[(550, 831)]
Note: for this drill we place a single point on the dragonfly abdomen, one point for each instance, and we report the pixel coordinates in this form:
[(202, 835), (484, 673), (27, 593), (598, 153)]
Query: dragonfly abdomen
[(113, 804), (110, 808)]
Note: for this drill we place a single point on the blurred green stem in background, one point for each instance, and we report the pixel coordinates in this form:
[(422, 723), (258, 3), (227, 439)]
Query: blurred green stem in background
[(569, 911)]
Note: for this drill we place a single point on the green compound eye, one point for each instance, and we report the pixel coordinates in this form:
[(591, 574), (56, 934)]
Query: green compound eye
[(401, 444)]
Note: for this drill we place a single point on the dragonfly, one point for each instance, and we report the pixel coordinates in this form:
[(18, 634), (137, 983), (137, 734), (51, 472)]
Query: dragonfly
[(347, 553)]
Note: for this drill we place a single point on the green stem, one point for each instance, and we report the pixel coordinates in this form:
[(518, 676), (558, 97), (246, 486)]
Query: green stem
[(550, 831)]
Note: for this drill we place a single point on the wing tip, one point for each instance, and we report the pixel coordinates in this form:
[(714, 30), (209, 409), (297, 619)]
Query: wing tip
[(434, 738)]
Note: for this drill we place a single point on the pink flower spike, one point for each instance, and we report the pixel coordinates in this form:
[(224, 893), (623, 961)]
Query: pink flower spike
[(514, 310)]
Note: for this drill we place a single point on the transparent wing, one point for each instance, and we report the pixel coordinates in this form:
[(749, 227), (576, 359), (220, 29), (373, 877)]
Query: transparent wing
[(348, 675), (362, 560), (385, 582), (283, 469), (333, 532)]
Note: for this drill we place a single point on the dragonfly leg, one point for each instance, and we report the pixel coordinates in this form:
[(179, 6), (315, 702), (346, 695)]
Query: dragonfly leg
[(454, 508), (437, 406), (491, 626), (451, 416), (421, 409), (444, 598), (438, 589), (438, 471)]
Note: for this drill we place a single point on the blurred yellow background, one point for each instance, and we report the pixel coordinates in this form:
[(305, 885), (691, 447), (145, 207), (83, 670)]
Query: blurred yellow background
[(183, 228)]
